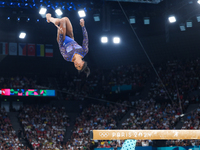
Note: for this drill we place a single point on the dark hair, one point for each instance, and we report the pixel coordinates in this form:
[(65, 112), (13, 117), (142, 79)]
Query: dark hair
[(85, 69)]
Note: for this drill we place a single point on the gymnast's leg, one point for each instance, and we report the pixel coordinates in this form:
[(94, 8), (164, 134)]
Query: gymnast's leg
[(64, 26), (65, 23)]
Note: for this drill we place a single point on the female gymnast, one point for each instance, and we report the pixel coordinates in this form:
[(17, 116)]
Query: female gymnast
[(69, 48)]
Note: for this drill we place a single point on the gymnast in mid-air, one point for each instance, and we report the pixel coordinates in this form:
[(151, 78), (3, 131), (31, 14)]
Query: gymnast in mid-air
[(69, 48)]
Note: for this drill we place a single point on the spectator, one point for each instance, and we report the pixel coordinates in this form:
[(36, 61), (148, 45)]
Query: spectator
[(8, 138), (45, 127)]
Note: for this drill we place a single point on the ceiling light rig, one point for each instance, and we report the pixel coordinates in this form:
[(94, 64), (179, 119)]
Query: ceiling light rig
[(63, 5)]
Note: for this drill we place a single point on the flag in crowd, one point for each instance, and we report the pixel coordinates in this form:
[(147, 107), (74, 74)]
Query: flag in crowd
[(31, 49), (24, 49), (40, 50), (12, 48), (4, 48), (49, 50)]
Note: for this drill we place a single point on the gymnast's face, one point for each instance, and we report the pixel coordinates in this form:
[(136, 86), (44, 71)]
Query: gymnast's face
[(78, 65)]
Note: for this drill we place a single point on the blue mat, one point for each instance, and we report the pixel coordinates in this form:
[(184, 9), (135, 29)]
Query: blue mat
[(129, 145)]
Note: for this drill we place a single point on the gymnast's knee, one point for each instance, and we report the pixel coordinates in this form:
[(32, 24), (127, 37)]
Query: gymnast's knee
[(65, 19)]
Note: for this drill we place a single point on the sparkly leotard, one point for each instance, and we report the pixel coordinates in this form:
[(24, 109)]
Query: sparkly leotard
[(69, 47)]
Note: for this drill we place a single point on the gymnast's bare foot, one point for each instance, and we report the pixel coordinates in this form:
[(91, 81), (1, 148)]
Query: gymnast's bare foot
[(48, 16)]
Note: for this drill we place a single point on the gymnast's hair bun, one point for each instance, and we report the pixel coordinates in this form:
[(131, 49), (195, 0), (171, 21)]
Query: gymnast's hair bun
[(85, 69)]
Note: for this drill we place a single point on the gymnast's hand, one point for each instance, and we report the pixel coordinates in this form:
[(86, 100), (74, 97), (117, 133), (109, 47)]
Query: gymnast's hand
[(60, 29), (82, 22), (48, 16)]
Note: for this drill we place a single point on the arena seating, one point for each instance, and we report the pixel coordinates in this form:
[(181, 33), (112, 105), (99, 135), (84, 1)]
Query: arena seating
[(8, 137), (44, 126)]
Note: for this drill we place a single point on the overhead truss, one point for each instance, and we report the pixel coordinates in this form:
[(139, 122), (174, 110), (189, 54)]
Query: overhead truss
[(140, 1)]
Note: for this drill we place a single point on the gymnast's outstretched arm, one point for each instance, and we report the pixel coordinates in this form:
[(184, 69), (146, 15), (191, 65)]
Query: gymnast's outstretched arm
[(85, 36)]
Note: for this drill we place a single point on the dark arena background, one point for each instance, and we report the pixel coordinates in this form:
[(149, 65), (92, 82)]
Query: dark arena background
[(144, 60)]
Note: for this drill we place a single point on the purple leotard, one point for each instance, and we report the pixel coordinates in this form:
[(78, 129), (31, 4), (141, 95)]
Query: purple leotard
[(69, 47)]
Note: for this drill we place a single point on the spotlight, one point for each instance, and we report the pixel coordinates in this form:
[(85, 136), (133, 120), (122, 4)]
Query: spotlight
[(22, 35), (189, 24), (96, 17), (81, 13), (38, 20), (8, 18), (18, 19), (58, 12), (132, 20), (28, 19), (146, 20), (182, 27), (198, 18), (116, 40), (104, 39), (198, 1), (42, 11), (172, 19)]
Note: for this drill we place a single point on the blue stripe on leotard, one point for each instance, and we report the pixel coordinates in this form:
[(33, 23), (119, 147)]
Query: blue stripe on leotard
[(67, 40)]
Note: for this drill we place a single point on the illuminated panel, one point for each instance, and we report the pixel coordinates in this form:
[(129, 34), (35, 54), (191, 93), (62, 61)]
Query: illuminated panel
[(50, 92), (16, 92), (5, 92), (28, 92), (31, 92)]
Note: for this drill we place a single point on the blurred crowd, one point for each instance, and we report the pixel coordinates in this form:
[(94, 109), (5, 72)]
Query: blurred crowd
[(151, 115), (8, 137), (179, 78), (191, 123), (17, 82), (96, 117), (45, 126), (148, 114), (100, 82)]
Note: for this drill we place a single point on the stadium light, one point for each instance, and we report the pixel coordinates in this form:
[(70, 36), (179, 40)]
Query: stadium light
[(104, 39), (81, 13), (42, 11), (172, 19), (189, 24), (198, 18), (22, 35), (116, 40), (182, 27), (198, 1), (132, 20), (28, 19), (146, 20), (96, 17), (58, 12)]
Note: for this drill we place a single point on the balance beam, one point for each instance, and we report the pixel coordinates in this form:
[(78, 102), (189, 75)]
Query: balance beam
[(144, 134)]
